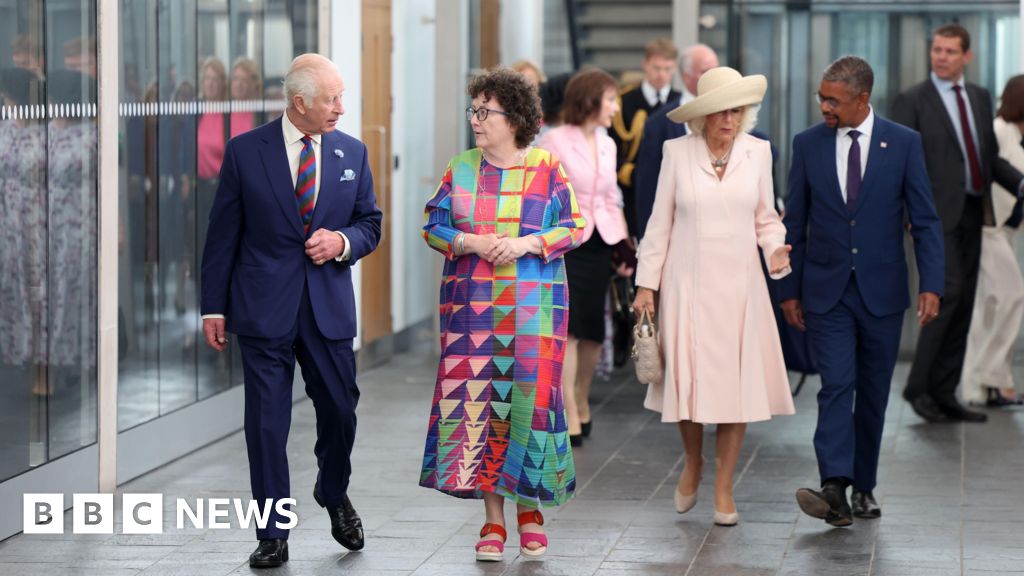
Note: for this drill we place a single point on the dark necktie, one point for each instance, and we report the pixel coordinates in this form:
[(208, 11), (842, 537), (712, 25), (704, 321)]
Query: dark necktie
[(305, 182), (853, 176), (972, 152)]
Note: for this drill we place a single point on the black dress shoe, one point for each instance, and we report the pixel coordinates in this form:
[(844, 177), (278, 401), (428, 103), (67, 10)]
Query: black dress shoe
[(926, 407), (269, 554), (864, 505), (575, 440), (346, 526), (586, 428), (957, 413), (829, 504)]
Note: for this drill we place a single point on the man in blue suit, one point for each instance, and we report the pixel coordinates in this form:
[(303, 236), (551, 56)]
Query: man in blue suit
[(294, 209), (852, 181)]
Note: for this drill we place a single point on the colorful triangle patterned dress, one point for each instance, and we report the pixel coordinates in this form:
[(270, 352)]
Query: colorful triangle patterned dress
[(497, 423)]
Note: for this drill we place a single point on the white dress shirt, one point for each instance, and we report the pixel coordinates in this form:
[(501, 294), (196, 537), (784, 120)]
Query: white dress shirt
[(843, 144), (654, 95)]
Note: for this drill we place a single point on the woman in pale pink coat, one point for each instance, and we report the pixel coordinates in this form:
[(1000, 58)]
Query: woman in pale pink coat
[(588, 155), (713, 208)]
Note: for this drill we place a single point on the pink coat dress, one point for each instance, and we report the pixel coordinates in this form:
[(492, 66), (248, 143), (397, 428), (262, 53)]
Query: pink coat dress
[(723, 360)]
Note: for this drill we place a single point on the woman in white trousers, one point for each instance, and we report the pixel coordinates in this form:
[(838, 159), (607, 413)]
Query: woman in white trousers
[(999, 303)]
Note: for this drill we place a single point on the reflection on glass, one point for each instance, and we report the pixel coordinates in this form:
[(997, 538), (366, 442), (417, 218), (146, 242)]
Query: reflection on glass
[(22, 283), (213, 132), (71, 263), (247, 90), (176, 157), (139, 374), (47, 232)]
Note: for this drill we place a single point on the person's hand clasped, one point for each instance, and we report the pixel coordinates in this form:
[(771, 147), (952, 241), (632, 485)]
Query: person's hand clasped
[(482, 244), (644, 301), (324, 245), (927, 307), (508, 250), (779, 261)]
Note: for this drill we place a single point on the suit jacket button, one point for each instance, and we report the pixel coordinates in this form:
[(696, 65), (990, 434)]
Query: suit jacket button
[(853, 222), (854, 250)]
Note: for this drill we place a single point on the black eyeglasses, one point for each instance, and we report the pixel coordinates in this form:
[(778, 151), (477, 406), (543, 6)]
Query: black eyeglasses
[(481, 113)]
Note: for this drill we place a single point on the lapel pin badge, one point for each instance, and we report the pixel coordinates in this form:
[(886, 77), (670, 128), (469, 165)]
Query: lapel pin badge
[(339, 153), (883, 144)]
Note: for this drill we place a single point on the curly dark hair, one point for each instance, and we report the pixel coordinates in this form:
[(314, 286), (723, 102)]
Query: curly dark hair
[(516, 95)]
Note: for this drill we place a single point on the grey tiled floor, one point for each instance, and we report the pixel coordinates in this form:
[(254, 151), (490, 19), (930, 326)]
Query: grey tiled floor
[(951, 495)]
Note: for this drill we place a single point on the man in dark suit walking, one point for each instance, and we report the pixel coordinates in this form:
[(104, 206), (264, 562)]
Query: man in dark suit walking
[(852, 180), (294, 209), (954, 118)]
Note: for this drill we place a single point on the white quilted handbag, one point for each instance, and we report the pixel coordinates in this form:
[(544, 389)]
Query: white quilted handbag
[(647, 350)]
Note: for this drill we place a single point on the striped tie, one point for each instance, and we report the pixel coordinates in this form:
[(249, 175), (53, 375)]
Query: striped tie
[(305, 183)]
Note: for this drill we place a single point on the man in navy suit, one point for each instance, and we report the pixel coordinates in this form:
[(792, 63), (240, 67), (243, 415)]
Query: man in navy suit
[(294, 209), (852, 180)]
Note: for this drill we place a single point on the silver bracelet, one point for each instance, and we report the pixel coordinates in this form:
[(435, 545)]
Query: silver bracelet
[(460, 244)]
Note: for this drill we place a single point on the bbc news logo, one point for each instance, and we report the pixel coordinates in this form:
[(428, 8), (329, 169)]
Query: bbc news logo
[(144, 513)]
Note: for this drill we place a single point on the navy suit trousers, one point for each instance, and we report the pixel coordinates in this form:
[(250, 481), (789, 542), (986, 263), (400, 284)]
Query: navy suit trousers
[(856, 354), (329, 370)]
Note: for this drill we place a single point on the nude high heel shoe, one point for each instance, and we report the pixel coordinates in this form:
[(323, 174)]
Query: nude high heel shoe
[(684, 503), (723, 519)]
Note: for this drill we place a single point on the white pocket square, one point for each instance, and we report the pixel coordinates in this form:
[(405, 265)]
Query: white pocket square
[(349, 174)]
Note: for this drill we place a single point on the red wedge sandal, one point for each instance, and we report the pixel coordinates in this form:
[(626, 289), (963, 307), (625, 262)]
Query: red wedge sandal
[(527, 538), (496, 530)]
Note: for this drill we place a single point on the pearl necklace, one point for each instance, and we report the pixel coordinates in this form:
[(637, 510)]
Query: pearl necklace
[(718, 163)]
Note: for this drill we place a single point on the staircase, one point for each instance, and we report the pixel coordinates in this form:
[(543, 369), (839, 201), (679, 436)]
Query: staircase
[(612, 33)]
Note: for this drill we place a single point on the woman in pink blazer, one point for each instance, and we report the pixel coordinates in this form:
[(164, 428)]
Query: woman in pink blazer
[(588, 155)]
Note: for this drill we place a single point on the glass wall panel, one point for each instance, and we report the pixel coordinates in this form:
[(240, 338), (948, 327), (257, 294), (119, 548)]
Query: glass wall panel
[(139, 367), (213, 132), (47, 231), (177, 303), (71, 221)]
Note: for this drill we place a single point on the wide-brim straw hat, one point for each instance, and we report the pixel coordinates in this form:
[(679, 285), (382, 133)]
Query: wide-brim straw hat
[(720, 89)]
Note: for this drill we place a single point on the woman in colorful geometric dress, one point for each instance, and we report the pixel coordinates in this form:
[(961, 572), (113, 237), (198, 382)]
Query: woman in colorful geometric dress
[(503, 216)]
